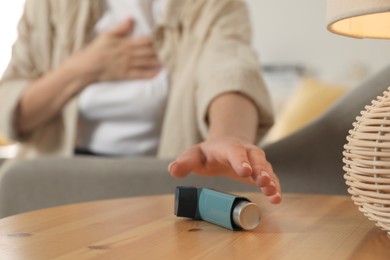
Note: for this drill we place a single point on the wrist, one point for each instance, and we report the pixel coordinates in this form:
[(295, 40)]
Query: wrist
[(233, 116), (83, 70), (214, 136)]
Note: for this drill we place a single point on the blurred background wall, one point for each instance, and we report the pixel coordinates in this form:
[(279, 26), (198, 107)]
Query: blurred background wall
[(294, 32), (10, 12)]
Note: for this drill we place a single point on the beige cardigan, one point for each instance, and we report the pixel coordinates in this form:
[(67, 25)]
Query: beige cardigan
[(205, 45)]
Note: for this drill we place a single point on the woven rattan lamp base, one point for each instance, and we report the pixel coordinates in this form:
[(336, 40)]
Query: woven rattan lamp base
[(367, 162)]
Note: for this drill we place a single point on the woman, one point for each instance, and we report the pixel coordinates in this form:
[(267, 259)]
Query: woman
[(69, 58)]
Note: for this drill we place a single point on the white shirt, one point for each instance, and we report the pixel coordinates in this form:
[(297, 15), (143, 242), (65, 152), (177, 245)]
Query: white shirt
[(125, 117)]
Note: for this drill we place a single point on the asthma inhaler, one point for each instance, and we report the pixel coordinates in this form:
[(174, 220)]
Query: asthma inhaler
[(223, 209)]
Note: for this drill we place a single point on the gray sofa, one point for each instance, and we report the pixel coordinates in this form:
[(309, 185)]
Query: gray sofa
[(47, 182), (309, 161)]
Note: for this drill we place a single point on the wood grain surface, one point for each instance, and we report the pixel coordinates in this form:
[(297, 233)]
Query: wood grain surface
[(302, 227)]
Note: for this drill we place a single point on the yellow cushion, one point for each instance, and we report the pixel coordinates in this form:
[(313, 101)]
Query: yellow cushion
[(308, 102), (3, 141)]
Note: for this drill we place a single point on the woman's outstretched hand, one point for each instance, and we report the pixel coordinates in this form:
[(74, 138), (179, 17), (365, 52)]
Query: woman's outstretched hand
[(230, 158)]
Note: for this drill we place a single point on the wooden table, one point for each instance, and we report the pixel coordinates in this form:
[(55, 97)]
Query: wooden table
[(302, 227)]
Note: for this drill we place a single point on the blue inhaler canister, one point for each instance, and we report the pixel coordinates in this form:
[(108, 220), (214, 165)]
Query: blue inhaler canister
[(223, 209)]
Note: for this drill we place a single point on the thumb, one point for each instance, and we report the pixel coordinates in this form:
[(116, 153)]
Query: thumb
[(123, 28)]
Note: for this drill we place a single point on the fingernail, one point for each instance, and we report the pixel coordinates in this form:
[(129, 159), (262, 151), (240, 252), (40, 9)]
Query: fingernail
[(272, 183), (171, 165), (246, 165), (265, 174)]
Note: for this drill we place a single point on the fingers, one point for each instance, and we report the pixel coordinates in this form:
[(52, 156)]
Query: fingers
[(239, 161), (142, 59), (123, 28), (252, 162), (264, 176), (275, 199), (146, 62), (140, 41), (142, 51), (140, 46), (191, 160), (142, 73)]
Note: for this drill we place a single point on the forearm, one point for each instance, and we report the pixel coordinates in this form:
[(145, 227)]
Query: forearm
[(233, 115), (46, 96)]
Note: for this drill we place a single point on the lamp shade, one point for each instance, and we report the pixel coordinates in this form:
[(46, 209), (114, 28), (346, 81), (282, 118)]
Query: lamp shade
[(359, 18)]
